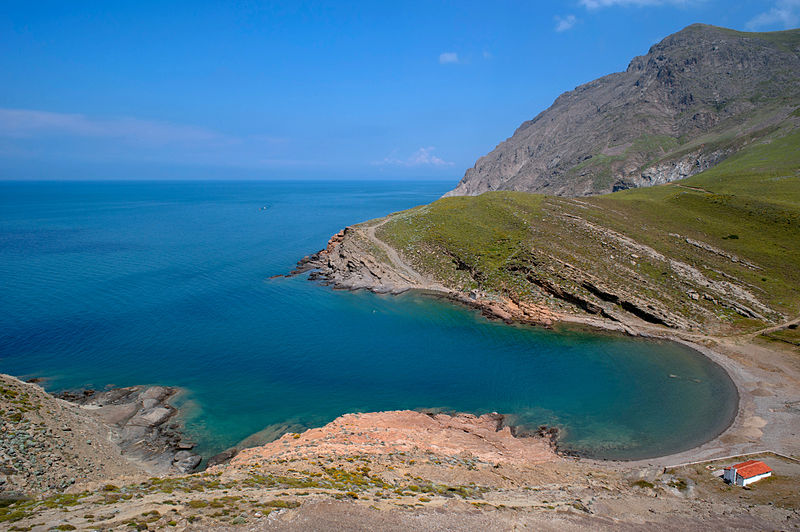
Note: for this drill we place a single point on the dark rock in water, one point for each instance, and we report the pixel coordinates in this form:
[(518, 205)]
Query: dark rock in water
[(223, 457), (75, 396), (139, 416)]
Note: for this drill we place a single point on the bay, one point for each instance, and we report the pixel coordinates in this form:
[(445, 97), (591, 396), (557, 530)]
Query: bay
[(123, 283)]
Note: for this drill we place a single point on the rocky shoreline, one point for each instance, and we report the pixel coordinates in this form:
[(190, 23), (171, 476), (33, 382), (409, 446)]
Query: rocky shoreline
[(348, 262), (142, 421)]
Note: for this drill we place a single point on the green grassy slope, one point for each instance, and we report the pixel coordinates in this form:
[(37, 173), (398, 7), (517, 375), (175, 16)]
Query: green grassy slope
[(718, 252)]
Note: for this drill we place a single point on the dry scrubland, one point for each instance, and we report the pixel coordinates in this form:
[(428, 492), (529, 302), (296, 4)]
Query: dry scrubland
[(332, 478)]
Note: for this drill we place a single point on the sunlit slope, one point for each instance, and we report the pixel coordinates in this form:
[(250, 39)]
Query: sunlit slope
[(718, 252)]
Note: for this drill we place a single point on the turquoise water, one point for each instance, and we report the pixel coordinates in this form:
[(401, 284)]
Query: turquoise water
[(168, 283)]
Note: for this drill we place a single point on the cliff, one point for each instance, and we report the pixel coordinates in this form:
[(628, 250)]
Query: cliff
[(693, 100)]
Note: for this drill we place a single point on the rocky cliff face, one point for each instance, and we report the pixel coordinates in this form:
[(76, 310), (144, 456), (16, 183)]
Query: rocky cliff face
[(695, 98)]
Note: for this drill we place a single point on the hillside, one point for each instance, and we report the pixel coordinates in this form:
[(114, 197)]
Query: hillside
[(716, 253), (694, 99), (402, 470)]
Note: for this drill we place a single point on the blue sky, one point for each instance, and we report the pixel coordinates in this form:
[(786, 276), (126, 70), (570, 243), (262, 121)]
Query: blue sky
[(261, 90)]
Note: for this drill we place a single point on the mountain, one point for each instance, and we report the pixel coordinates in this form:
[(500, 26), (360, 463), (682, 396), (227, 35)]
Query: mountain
[(696, 98)]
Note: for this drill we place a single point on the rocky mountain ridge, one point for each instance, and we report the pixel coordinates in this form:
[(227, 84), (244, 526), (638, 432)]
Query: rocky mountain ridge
[(694, 99)]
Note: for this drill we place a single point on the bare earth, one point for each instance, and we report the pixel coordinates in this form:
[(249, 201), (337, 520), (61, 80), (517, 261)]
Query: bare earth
[(404, 431)]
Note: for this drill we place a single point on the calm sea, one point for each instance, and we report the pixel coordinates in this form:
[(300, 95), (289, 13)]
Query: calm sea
[(143, 283)]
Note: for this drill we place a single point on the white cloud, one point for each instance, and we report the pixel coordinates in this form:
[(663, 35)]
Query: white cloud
[(26, 123), (783, 14), (28, 133), (448, 57), (597, 4), (421, 157), (487, 55), (565, 23)]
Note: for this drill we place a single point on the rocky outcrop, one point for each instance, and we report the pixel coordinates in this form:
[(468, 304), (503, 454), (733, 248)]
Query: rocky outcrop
[(141, 419), (355, 259), (352, 261), (484, 438), (671, 170), (696, 97)]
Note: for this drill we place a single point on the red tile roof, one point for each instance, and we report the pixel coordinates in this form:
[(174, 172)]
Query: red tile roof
[(751, 468)]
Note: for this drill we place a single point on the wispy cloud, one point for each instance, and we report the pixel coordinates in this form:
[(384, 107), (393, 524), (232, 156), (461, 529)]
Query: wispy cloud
[(487, 55), (421, 157), (26, 123), (783, 14), (597, 4), (45, 135), (565, 23), (448, 57)]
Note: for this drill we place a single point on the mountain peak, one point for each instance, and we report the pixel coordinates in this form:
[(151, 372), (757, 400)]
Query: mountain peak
[(695, 98)]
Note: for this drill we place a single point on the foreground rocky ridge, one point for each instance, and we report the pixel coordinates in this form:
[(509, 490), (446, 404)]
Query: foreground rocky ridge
[(411, 471), (478, 438), (697, 97)]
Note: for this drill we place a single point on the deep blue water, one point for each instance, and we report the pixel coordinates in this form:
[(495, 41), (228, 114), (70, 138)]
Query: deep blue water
[(168, 283)]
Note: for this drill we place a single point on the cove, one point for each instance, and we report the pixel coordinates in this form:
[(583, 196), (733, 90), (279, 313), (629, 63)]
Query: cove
[(169, 283)]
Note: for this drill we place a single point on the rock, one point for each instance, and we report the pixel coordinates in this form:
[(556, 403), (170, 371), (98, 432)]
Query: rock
[(152, 418), (186, 462), (159, 393), (117, 414), (149, 403), (223, 457)]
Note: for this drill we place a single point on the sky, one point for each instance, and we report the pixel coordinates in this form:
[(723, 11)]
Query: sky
[(308, 90)]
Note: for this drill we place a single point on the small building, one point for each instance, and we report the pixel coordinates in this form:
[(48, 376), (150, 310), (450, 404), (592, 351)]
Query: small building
[(747, 472)]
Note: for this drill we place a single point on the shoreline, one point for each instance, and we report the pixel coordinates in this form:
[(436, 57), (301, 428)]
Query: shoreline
[(742, 434), (594, 325)]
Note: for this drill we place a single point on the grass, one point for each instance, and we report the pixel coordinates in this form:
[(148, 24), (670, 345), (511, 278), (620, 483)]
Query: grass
[(644, 484), (207, 496), (740, 274)]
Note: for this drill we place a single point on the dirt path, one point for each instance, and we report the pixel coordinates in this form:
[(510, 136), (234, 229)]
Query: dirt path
[(775, 328), (413, 275), (695, 189)]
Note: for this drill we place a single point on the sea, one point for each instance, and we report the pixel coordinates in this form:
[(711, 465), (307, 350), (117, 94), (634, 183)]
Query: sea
[(173, 283)]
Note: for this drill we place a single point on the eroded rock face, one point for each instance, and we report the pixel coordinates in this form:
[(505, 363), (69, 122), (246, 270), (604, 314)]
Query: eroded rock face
[(674, 112), (484, 438), (349, 262), (139, 416)]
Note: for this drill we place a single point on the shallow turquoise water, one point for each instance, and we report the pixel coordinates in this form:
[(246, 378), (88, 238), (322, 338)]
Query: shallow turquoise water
[(133, 283)]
